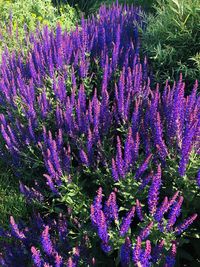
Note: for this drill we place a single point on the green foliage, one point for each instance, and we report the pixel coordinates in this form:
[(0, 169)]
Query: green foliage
[(15, 14), (11, 201), (91, 6), (172, 40)]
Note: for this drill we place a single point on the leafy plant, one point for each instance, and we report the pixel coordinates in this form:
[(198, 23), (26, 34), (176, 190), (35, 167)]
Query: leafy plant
[(171, 40), (18, 18)]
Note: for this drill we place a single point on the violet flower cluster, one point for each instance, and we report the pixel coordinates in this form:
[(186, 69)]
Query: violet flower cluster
[(73, 89), (101, 219), (81, 101), (41, 244)]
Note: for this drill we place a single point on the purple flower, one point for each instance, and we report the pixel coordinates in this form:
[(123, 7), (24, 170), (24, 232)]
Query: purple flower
[(15, 229), (157, 251), (111, 208), (146, 180), (46, 241), (147, 254), (173, 199), (187, 145), (125, 225), (36, 256), (174, 213), (50, 183), (114, 171), (102, 228), (154, 191), (119, 159), (137, 250), (170, 259), (161, 210), (71, 263), (128, 150), (125, 253), (187, 222), (143, 167), (146, 231), (139, 210), (84, 157)]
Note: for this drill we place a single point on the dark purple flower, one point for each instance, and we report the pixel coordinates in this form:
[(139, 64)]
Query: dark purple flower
[(157, 251), (84, 157), (125, 253), (174, 213), (119, 159), (46, 241), (143, 167), (137, 250), (125, 225), (154, 191), (161, 210), (36, 256), (15, 229), (114, 171), (184, 225), (170, 259), (146, 231), (139, 210), (111, 208)]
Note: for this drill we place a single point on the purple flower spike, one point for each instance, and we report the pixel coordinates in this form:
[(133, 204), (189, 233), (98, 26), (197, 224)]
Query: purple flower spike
[(128, 149), (114, 171), (147, 254), (125, 253), (137, 251), (146, 231), (84, 157), (139, 210), (174, 213), (111, 209), (102, 228), (161, 210), (71, 263), (173, 199), (96, 207), (106, 247), (157, 251), (36, 256), (154, 191), (187, 222), (170, 259), (119, 159), (15, 229), (124, 227), (143, 167), (58, 260), (46, 241)]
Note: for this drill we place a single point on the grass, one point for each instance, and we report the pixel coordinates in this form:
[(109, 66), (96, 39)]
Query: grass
[(11, 201)]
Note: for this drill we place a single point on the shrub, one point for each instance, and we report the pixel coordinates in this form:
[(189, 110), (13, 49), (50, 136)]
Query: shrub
[(77, 113), (171, 40)]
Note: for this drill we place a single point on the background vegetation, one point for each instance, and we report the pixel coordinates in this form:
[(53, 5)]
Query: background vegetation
[(172, 40), (21, 16)]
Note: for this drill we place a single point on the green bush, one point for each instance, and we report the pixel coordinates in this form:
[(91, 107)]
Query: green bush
[(172, 40), (15, 14), (11, 201)]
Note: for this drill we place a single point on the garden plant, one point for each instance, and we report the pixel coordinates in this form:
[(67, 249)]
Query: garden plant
[(108, 165)]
